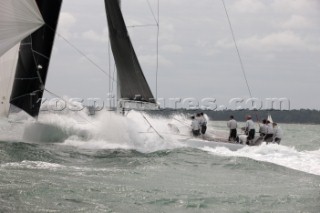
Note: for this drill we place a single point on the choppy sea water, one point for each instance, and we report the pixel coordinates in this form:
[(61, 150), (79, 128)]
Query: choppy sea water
[(110, 163)]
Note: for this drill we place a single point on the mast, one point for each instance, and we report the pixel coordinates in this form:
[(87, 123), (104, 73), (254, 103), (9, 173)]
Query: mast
[(34, 57), (131, 80)]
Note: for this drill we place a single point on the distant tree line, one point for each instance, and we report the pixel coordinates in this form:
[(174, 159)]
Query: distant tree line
[(305, 116)]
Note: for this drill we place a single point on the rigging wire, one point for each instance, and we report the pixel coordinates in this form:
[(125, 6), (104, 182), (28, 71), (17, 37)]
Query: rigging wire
[(82, 53), (238, 52), (111, 70), (142, 25), (158, 33), (151, 10), (239, 56), (157, 20), (108, 74), (154, 129), (57, 96), (113, 74), (39, 77), (35, 60), (109, 67), (37, 70)]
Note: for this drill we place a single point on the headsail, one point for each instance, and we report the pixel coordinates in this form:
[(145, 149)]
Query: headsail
[(8, 63), (131, 80), (34, 58), (18, 19)]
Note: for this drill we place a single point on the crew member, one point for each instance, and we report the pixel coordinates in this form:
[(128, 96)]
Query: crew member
[(277, 133), (269, 136), (203, 123), (195, 126), (263, 128), (232, 125), (250, 130)]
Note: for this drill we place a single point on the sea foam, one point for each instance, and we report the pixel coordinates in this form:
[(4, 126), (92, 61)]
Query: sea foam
[(306, 161)]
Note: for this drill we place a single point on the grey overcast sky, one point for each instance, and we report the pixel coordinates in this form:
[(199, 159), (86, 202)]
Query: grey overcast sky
[(279, 42)]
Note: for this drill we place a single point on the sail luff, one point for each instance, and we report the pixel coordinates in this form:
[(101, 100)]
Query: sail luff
[(131, 80), (33, 63)]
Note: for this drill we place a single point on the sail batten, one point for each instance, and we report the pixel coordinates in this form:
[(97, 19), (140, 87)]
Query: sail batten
[(131, 80)]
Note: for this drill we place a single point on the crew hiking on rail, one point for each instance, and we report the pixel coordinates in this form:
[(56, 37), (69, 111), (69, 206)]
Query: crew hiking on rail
[(198, 124)]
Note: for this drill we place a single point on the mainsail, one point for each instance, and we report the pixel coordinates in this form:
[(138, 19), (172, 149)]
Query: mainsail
[(131, 80), (34, 56)]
